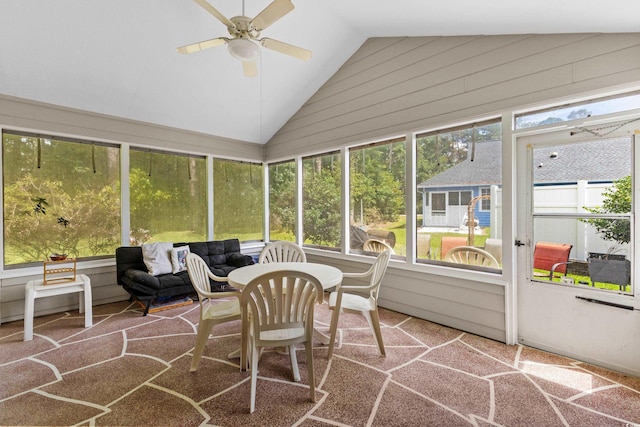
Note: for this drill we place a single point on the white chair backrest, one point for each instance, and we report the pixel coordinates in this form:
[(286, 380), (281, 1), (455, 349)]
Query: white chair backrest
[(424, 245), (374, 245), (198, 273), (379, 268), (282, 251), (472, 256), (494, 247), (280, 300)]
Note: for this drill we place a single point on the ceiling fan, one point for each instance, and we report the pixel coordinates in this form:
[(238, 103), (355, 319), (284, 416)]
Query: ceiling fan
[(245, 32)]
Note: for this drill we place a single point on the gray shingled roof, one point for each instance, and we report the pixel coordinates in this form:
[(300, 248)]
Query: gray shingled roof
[(484, 170), (600, 160)]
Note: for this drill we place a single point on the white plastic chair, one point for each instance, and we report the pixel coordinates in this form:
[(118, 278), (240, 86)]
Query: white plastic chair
[(277, 310), (282, 251), (374, 245), (494, 247), (342, 299), (472, 256), (211, 313)]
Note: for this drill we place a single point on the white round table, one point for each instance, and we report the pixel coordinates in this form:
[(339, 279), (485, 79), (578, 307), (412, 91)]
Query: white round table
[(327, 275)]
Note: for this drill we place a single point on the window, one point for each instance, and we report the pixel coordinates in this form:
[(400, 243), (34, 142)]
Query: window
[(168, 201), (377, 195), (459, 198), (60, 196), (282, 201), (321, 200), (438, 202), (238, 200), (578, 110), (457, 168), (585, 206), (485, 202)]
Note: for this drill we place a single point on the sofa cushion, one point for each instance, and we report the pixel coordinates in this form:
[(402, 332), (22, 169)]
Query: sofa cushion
[(143, 278), (212, 252), (168, 281), (239, 260)]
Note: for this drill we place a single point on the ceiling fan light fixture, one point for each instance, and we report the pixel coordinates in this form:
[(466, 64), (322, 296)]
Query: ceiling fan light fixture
[(244, 49)]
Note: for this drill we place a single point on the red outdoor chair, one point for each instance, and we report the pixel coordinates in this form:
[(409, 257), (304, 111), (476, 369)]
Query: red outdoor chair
[(552, 257)]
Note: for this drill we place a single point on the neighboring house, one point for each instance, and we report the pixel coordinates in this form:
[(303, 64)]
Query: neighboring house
[(446, 196)]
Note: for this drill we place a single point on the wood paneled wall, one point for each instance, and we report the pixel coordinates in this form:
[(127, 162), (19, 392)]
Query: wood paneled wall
[(37, 116), (394, 85)]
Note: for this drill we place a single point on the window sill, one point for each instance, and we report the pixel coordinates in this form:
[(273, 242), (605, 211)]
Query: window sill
[(38, 270), (437, 270)]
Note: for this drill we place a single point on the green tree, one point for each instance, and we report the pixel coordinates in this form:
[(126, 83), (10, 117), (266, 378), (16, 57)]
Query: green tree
[(377, 182), (238, 200), (144, 200), (617, 199), (322, 201), (93, 226), (282, 192)]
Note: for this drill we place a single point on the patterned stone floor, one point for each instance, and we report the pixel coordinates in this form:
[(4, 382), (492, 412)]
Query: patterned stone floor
[(133, 370)]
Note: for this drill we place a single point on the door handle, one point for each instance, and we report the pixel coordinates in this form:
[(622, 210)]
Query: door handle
[(518, 243)]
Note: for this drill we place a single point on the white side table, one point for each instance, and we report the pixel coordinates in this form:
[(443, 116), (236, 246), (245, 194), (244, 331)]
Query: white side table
[(36, 289)]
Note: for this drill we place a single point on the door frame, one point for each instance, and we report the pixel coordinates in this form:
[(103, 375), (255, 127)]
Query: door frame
[(524, 287)]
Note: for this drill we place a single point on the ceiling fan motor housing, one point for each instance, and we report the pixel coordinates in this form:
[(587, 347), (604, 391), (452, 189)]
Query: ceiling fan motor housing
[(243, 28)]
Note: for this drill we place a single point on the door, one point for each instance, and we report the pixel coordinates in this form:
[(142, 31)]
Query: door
[(438, 209), (575, 195)]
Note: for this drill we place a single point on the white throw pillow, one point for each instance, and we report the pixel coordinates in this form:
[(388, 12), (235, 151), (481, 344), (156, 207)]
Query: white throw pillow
[(156, 257), (179, 258)]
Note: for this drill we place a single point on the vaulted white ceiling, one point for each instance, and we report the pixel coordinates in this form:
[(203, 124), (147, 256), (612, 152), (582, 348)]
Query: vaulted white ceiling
[(118, 57)]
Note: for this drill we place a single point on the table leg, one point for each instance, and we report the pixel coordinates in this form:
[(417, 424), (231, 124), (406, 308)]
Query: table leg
[(88, 304), (29, 302)]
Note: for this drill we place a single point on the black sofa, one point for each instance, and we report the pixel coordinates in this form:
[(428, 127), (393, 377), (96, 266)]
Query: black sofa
[(222, 256)]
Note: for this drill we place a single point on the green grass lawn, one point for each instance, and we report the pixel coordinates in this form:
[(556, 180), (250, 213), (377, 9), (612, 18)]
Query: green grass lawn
[(400, 230), (579, 280)]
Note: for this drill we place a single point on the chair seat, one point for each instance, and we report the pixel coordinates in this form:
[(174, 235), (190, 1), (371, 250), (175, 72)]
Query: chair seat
[(353, 302), (222, 309), (282, 334)]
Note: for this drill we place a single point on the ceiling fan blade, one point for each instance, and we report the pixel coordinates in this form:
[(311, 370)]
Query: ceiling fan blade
[(287, 49), (250, 69), (276, 10), (206, 44), (206, 6)]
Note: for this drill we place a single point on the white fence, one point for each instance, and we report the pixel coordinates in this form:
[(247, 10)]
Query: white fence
[(572, 199)]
